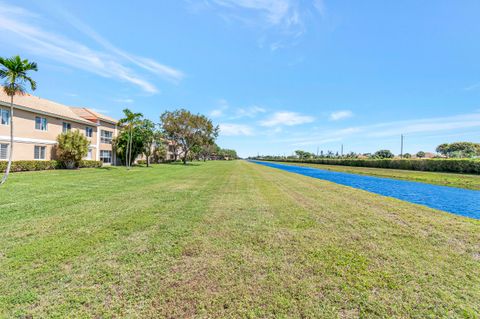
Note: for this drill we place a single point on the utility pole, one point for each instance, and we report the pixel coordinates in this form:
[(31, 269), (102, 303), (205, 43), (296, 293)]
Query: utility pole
[(401, 146)]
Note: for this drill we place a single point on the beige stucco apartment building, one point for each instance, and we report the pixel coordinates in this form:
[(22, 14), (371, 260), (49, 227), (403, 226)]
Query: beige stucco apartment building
[(38, 122)]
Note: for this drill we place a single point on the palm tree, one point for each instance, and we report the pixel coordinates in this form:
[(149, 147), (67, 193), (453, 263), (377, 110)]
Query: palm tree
[(14, 71), (129, 122)]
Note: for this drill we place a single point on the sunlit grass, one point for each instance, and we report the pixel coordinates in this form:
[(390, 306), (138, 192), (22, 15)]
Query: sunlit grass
[(227, 239)]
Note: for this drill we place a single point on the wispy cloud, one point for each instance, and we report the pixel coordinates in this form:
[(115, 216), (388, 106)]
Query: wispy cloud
[(340, 115), (110, 63), (230, 129), (124, 101), (395, 128), (249, 112), (286, 119), (472, 87), (221, 108), (285, 16), (234, 113)]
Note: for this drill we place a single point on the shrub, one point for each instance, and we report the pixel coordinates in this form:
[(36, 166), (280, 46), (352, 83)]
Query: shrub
[(72, 147), (141, 162), (23, 166), (20, 166), (467, 166), (90, 164)]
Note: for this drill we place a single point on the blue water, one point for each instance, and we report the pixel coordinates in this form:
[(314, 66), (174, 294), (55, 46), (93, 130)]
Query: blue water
[(458, 201)]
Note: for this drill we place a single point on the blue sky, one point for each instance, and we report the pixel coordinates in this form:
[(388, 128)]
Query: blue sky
[(276, 75)]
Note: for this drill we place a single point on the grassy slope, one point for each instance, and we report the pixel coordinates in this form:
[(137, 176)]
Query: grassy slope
[(227, 239), (446, 179)]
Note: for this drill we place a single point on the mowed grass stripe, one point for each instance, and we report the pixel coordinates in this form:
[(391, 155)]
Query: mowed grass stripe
[(87, 237), (234, 239)]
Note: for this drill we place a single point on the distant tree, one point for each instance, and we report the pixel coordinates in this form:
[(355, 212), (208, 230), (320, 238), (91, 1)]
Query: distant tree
[(128, 124), (159, 151), (420, 154), (72, 148), (14, 70), (188, 130), (207, 150), (407, 155), (231, 154), (384, 154), (151, 136), (303, 154), (459, 149), (129, 144), (442, 149)]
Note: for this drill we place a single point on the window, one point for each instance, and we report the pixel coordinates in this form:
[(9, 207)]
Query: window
[(106, 137), (39, 152), (4, 117), (40, 123), (106, 156), (89, 154), (3, 151), (66, 127), (88, 131)]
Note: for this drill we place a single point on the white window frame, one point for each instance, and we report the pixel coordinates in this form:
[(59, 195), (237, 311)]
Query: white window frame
[(2, 146), (102, 157), (106, 139), (42, 119), (2, 112), (41, 148), (67, 128), (87, 130)]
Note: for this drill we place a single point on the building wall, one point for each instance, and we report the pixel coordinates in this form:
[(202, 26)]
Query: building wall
[(26, 136)]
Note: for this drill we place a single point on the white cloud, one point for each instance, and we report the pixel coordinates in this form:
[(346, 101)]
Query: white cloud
[(230, 129), (286, 118), (125, 101), (225, 110), (23, 26), (250, 112), (220, 110), (395, 128), (472, 87), (340, 115), (288, 17)]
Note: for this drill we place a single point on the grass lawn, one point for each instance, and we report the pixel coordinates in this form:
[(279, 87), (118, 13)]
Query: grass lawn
[(227, 239), (467, 181)]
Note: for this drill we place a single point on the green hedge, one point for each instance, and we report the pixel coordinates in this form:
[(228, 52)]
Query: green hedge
[(90, 164), (22, 166), (468, 166)]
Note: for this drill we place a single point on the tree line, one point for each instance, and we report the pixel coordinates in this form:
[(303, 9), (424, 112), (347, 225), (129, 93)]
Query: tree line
[(185, 135), (452, 150)]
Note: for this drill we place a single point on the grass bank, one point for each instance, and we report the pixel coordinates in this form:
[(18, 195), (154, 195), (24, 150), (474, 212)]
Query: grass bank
[(467, 181), (227, 239)]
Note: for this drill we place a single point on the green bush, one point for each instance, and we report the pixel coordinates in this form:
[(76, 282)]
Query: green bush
[(467, 166), (23, 166), (20, 166), (72, 147), (141, 162), (90, 164)]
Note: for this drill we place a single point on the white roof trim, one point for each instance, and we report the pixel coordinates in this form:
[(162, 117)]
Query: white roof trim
[(28, 109)]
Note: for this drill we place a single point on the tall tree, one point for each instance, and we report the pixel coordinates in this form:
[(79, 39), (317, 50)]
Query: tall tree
[(151, 138), (15, 73), (129, 122), (188, 130)]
